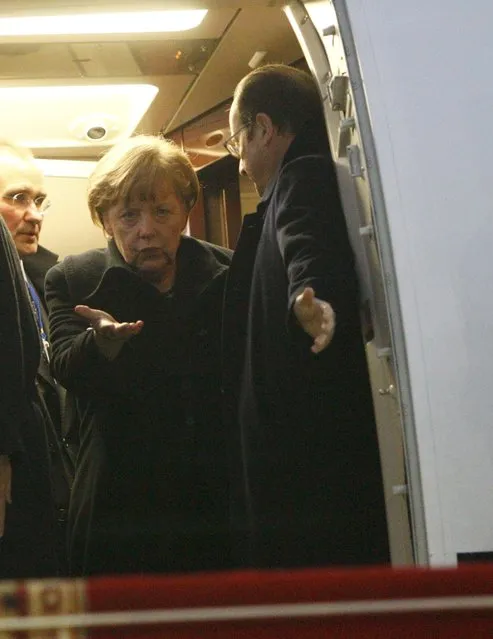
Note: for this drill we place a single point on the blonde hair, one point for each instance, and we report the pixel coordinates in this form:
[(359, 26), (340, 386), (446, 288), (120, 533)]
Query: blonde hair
[(135, 166)]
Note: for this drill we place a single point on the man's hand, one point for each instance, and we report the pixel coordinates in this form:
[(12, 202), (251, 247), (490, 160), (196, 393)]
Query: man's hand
[(110, 334), (5, 489), (316, 317)]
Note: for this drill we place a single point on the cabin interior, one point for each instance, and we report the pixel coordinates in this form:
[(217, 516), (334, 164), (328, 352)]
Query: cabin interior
[(70, 97)]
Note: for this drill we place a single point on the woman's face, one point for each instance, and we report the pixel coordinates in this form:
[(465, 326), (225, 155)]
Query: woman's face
[(147, 232)]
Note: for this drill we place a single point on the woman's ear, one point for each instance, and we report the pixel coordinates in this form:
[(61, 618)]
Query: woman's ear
[(106, 224)]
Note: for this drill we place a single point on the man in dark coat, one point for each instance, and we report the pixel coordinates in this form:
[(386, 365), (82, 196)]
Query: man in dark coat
[(36, 266), (60, 417), (27, 522), (310, 486), (23, 208)]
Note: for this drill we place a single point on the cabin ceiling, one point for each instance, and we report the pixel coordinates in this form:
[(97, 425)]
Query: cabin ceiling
[(195, 71)]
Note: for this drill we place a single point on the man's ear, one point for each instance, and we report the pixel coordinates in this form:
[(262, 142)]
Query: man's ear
[(265, 125), (185, 224)]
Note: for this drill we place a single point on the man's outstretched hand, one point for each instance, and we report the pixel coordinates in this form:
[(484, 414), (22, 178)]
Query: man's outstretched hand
[(316, 317)]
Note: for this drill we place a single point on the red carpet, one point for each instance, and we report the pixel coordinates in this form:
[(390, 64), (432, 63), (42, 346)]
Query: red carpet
[(371, 603)]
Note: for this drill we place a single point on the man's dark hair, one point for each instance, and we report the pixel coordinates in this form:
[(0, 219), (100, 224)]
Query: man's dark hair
[(290, 98)]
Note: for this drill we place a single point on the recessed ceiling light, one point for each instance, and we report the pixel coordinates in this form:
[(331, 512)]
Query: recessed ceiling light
[(102, 23), (214, 138), (66, 168), (72, 116)]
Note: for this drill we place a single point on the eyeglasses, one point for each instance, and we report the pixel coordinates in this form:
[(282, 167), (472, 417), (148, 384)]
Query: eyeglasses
[(24, 201), (232, 143)]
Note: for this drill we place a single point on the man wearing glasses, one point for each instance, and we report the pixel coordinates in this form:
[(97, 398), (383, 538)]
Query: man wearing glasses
[(309, 486), (37, 465)]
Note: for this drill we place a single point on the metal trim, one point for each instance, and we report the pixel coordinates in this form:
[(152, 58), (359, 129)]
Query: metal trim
[(419, 536)]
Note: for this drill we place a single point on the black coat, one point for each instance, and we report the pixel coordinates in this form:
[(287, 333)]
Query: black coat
[(150, 492), (28, 546), (310, 484), (58, 416), (52, 394)]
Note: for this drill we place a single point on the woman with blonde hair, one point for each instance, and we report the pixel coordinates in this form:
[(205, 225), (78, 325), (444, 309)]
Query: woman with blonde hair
[(135, 331)]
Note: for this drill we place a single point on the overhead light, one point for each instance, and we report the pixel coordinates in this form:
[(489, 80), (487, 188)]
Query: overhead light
[(257, 59), (66, 168), (102, 23), (73, 116)]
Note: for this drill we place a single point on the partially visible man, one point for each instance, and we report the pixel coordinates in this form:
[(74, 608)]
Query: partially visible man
[(62, 435), (295, 370), (60, 415), (22, 206)]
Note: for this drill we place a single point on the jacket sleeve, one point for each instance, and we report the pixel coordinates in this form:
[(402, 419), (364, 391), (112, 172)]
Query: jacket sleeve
[(76, 361), (312, 235), (11, 347)]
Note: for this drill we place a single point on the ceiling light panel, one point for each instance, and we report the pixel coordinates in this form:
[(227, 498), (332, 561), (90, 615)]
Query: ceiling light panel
[(65, 168), (101, 23), (73, 116)]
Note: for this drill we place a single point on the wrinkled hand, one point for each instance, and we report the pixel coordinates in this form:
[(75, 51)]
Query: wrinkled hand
[(316, 317), (107, 327), (110, 335), (5, 489)]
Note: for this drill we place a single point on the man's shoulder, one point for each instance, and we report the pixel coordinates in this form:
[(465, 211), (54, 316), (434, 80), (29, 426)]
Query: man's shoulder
[(314, 175), (312, 164), (37, 265)]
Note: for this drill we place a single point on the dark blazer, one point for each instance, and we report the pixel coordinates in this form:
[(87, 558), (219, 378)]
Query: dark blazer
[(310, 482), (28, 547), (150, 491), (52, 394), (59, 417)]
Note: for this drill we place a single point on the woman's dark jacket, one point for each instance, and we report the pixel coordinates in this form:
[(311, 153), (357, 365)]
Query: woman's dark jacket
[(310, 477), (150, 491), (27, 548)]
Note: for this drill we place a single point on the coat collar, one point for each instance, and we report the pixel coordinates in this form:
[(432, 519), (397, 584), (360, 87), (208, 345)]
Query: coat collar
[(197, 265), (311, 140), (37, 265)]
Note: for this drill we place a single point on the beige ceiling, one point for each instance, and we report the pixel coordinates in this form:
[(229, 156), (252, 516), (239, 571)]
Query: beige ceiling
[(194, 70), (49, 6)]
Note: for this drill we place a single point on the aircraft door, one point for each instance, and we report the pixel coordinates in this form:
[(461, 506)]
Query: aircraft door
[(315, 25)]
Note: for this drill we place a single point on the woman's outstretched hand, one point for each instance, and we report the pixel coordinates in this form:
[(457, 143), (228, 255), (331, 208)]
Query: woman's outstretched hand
[(110, 335)]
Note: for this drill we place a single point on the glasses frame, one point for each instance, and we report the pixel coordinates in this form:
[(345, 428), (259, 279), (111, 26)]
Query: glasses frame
[(23, 200), (231, 144)]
